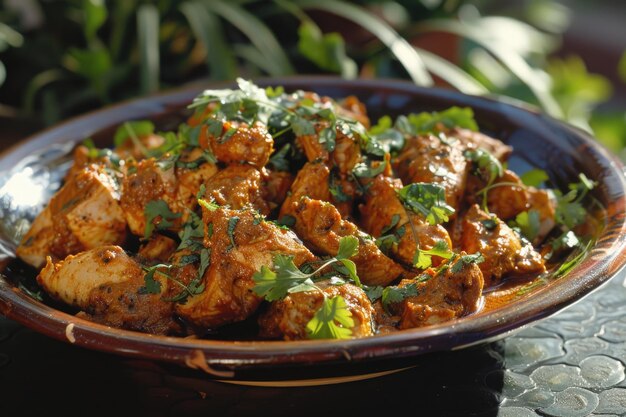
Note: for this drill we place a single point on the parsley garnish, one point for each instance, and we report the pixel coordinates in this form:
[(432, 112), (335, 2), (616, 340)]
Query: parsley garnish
[(133, 130), (151, 285), (395, 294), (534, 177), (158, 209), (528, 223), (424, 123), (426, 199), (569, 211)]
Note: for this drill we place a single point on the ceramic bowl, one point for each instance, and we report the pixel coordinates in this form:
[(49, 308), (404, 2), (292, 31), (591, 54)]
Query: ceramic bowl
[(35, 166)]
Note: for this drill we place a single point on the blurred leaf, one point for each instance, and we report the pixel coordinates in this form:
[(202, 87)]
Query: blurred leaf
[(3, 73), (533, 78), (451, 73), (621, 68), (95, 15), (37, 84), (148, 44), (327, 51), (610, 129), (258, 33), (9, 37), (209, 31), (576, 90), (93, 65), (399, 47)]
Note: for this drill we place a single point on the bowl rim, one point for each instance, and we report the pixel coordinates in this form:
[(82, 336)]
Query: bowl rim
[(221, 358)]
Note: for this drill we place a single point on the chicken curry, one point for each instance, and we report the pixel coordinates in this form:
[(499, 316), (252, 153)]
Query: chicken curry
[(292, 212)]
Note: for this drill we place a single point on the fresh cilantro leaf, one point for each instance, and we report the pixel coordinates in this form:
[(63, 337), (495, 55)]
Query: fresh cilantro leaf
[(232, 223), (423, 258), (464, 260), (191, 233), (393, 294), (365, 170), (208, 204), (328, 137), (491, 223), (275, 284), (286, 220), (348, 247), (534, 177), (424, 123), (279, 160), (333, 320), (426, 199), (529, 223), (151, 285), (373, 292), (336, 190), (158, 209), (133, 130), (485, 161)]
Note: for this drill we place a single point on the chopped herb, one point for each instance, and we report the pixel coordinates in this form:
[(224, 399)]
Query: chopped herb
[(423, 258), (464, 260), (393, 294), (133, 130), (424, 123), (426, 199), (333, 320), (491, 223), (232, 223), (328, 137), (279, 160), (274, 284), (151, 285), (286, 220), (569, 210), (209, 205), (158, 209), (192, 233), (485, 162), (373, 292), (534, 177), (334, 186), (528, 223), (365, 170)]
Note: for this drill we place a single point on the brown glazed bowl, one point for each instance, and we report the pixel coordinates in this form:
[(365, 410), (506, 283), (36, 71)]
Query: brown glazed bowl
[(539, 141)]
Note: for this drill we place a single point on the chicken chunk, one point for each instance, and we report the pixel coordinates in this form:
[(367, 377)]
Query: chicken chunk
[(505, 253), (434, 159), (452, 293), (383, 212), (238, 142), (321, 227), (158, 249), (237, 186), (240, 244), (352, 108), (509, 197), (83, 214), (276, 185), (288, 318), (149, 182), (106, 284)]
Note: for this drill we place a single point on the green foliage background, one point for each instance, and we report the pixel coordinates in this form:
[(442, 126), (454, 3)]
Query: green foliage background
[(60, 58)]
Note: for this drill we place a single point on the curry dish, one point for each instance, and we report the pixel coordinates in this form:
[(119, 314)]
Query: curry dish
[(296, 214)]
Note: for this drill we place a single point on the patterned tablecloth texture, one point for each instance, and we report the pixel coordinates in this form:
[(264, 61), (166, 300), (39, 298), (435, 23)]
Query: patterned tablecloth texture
[(568, 365)]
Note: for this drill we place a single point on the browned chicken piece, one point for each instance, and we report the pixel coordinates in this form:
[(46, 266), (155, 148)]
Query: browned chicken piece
[(321, 227), (474, 140), (382, 210), (504, 252), (347, 153), (287, 318), (311, 181), (149, 182), (84, 214), (352, 108), (316, 181), (83, 158), (240, 244), (430, 159), (276, 185), (152, 181), (239, 143), (447, 295), (314, 150), (157, 249), (508, 197), (237, 186), (190, 180), (106, 284)]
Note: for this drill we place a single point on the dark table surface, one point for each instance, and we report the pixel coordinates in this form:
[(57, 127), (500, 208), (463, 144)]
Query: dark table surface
[(569, 365)]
